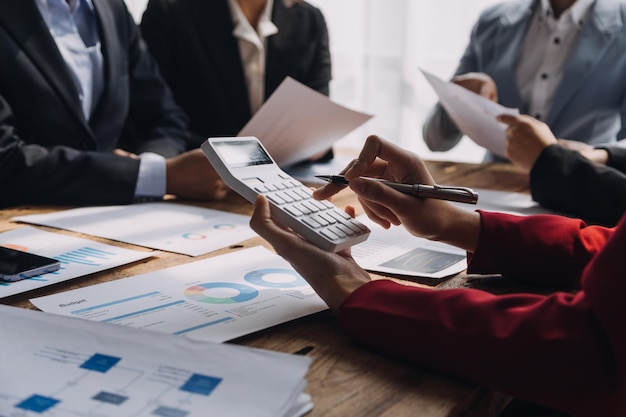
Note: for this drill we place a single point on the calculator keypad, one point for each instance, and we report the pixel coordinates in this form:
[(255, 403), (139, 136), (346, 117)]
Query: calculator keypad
[(321, 216)]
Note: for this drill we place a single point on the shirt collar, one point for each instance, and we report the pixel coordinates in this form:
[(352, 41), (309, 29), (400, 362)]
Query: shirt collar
[(242, 27), (577, 12)]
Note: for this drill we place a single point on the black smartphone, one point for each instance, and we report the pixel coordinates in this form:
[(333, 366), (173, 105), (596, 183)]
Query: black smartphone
[(16, 265)]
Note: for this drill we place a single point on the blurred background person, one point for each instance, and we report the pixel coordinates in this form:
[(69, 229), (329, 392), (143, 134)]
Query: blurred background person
[(560, 61), (85, 117), (224, 58)]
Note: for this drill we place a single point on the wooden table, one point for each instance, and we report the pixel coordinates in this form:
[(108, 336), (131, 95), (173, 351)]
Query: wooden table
[(344, 379)]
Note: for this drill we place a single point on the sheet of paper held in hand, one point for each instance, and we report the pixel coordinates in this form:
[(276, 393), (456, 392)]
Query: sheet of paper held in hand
[(160, 225), (58, 366), (78, 257), (297, 122), (473, 114), (215, 299)]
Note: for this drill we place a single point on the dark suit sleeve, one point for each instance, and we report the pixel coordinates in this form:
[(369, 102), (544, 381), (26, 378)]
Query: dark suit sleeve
[(563, 180), (156, 123), (34, 174), (319, 75)]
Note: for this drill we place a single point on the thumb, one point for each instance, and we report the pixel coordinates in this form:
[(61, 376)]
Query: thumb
[(507, 119)]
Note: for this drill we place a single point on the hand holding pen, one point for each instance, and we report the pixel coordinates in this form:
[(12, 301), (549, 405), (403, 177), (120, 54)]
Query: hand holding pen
[(439, 192), (431, 217)]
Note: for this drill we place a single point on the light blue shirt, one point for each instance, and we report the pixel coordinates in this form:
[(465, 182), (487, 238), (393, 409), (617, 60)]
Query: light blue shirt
[(74, 27)]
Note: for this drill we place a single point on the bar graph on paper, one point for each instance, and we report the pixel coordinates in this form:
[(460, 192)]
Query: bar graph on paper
[(78, 257)]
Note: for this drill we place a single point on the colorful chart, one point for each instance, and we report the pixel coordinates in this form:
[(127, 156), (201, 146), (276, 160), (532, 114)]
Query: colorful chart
[(194, 236), (275, 278), (224, 226), (207, 293)]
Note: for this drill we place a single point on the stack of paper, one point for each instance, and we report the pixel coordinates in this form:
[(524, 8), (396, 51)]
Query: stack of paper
[(61, 366)]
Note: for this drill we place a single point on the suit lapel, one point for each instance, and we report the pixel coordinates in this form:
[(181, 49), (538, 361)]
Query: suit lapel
[(214, 24), (110, 54), (23, 20), (595, 39), (286, 20)]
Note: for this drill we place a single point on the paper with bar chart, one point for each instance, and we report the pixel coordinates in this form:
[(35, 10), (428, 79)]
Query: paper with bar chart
[(67, 367), (215, 299), (78, 257), (396, 251), (160, 225)]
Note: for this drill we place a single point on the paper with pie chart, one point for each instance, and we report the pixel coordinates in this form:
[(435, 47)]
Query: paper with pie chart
[(215, 299), (166, 226)]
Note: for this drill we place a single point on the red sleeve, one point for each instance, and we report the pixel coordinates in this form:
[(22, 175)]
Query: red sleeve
[(546, 249), (564, 351)]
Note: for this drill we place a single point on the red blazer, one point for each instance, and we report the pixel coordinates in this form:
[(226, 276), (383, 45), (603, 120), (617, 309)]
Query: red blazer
[(566, 350)]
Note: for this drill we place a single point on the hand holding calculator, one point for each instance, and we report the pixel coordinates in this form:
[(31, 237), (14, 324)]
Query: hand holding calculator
[(246, 167)]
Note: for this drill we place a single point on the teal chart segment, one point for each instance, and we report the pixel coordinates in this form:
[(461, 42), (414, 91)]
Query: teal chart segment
[(201, 293), (275, 278)]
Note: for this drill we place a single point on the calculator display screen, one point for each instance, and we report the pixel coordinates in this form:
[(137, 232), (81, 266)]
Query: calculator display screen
[(242, 153)]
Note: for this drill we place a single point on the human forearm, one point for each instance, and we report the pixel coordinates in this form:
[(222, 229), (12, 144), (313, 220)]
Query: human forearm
[(550, 250), (526, 345), (563, 180)]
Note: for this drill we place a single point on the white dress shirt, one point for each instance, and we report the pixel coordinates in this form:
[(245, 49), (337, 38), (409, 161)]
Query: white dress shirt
[(74, 27), (252, 45), (546, 48)]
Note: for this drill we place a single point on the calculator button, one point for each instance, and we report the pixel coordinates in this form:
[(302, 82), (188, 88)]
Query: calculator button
[(353, 227), (293, 195), (345, 229), (321, 220), (293, 211), (285, 196), (329, 234), (275, 198), (337, 231), (361, 226), (310, 206), (327, 217), (311, 223), (302, 208), (319, 205)]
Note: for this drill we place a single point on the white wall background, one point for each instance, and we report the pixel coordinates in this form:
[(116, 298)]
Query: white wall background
[(377, 47)]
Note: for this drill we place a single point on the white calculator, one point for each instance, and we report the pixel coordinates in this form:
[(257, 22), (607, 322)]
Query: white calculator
[(246, 167)]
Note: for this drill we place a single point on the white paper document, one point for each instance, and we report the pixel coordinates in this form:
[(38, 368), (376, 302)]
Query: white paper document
[(78, 257), (473, 114), (396, 251), (58, 366), (507, 202), (216, 299), (297, 122), (160, 225)]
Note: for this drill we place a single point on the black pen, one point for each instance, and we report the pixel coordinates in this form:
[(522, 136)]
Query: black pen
[(459, 194)]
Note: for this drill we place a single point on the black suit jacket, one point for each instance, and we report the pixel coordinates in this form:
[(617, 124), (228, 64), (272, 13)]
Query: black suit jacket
[(193, 43), (49, 153), (563, 180)]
